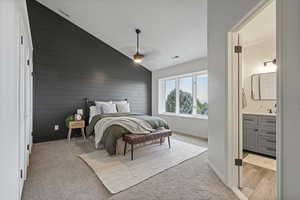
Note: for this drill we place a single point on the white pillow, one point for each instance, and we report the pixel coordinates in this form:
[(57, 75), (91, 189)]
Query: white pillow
[(109, 108), (119, 102), (93, 112), (123, 107), (99, 105)]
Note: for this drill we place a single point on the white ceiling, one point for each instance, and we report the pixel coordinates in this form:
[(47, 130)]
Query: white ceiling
[(169, 27), (262, 27)]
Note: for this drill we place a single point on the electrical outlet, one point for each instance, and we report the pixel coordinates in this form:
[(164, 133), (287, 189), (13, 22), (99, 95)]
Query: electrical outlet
[(56, 127)]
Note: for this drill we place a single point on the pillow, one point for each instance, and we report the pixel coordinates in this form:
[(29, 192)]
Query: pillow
[(99, 105), (93, 112), (109, 108), (119, 102), (123, 107)]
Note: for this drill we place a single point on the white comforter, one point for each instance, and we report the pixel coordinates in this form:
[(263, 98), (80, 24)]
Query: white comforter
[(133, 125)]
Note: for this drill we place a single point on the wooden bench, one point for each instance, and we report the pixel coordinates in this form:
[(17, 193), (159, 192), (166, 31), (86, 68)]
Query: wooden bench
[(133, 139)]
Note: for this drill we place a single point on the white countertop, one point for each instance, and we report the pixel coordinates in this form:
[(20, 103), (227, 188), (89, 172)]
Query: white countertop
[(256, 113)]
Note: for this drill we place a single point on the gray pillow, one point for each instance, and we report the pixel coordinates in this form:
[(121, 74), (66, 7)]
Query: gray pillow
[(123, 107)]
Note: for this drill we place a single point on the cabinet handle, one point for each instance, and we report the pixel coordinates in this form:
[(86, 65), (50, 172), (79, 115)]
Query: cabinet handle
[(256, 130)]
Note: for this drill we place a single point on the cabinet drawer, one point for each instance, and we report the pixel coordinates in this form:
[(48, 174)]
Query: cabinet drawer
[(268, 120), (250, 120), (267, 142), (77, 124), (269, 133)]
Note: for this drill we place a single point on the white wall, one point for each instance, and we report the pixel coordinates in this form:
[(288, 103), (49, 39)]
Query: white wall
[(254, 55), (222, 16), (12, 13), (192, 126), (289, 47)]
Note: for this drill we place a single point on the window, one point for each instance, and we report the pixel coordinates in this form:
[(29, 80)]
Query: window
[(170, 96), (184, 95)]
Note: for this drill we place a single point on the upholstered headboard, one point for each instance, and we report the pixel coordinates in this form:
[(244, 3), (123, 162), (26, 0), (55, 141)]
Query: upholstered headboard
[(88, 102)]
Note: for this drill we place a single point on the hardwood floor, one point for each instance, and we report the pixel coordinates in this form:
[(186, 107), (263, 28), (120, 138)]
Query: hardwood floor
[(258, 183)]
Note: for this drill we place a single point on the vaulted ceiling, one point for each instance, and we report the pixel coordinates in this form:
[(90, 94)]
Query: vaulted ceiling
[(169, 27)]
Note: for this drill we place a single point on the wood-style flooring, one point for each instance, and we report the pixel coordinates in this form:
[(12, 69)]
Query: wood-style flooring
[(258, 183)]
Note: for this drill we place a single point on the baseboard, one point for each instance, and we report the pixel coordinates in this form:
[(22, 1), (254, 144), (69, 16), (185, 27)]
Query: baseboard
[(190, 135), (239, 194), (221, 177)]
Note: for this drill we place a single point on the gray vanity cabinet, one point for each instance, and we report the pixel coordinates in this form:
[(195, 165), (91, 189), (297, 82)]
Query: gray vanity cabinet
[(259, 134)]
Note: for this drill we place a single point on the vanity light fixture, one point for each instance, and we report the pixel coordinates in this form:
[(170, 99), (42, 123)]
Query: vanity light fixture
[(271, 61)]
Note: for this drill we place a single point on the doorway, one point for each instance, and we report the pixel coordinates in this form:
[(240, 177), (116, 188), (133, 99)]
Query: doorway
[(253, 103)]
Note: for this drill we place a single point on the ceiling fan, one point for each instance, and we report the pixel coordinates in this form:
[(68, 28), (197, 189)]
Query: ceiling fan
[(138, 57)]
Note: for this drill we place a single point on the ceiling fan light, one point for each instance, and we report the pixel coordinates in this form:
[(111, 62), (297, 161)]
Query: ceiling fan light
[(138, 58)]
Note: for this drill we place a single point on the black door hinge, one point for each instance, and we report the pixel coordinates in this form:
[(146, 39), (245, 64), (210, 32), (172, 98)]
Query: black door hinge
[(238, 162), (22, 39), (27, 147), (238, 49), (28, 62), (21, 173)]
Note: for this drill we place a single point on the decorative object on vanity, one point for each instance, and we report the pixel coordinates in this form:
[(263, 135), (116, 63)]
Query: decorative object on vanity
[(138, 57), (119, 173), (75, 125), (259, 134), (133, 139), (270, 61), (263, 87)]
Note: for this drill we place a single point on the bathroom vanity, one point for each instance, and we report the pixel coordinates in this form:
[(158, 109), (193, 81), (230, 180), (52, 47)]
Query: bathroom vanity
[(259, 133)]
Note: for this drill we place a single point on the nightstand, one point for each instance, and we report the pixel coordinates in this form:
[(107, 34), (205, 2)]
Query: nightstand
[(76, 124)]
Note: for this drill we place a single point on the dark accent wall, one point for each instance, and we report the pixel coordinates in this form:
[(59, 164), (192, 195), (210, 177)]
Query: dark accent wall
[(70, 64)]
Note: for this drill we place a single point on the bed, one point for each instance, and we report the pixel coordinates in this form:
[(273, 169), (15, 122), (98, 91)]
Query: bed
[(107, 129)]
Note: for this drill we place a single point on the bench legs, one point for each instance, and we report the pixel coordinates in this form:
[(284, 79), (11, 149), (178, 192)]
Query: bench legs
[(125, 148), (131, 151)]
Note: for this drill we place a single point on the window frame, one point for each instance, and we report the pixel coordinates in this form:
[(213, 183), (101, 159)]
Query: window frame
[(162, 95)]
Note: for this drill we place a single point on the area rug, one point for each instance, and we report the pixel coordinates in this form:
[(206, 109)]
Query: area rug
[(119, 173), (261, 161)]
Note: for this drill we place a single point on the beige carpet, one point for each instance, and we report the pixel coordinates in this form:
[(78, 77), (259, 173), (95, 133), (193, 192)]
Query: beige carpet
[(119, 173), (261, 161)]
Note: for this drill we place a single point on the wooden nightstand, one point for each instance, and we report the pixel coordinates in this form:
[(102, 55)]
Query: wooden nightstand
[(76, 124)]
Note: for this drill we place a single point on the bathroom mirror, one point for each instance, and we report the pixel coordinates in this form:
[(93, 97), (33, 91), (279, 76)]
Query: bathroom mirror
[(263, 86)]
